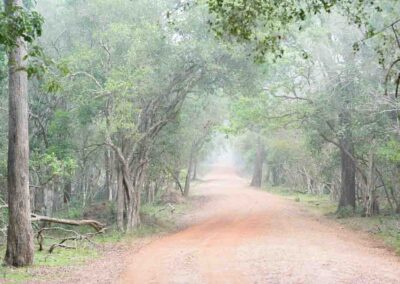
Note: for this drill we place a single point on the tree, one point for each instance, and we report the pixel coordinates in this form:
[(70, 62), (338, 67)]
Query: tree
[(129, 78), (256, 180), (321, 93), (19, 234)]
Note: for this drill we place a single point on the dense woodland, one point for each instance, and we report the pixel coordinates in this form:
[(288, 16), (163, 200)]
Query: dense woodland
[(124, 100)]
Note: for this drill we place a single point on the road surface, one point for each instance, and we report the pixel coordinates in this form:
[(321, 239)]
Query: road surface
[(242, 235)]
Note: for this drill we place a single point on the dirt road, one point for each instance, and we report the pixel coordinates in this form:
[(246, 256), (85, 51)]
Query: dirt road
[(247, 236)]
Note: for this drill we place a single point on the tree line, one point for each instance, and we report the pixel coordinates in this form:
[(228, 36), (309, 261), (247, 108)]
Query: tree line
[(326, 121), (124, 98)]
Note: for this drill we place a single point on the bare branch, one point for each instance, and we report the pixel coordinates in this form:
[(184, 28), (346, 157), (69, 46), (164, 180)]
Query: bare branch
[(388, 74), (89, 76)]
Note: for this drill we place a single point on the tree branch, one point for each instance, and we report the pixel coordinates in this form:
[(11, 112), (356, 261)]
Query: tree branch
[(92, 223)]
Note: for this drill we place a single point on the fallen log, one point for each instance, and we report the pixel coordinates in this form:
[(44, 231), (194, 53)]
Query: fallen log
[(61, 243), (98, 226)]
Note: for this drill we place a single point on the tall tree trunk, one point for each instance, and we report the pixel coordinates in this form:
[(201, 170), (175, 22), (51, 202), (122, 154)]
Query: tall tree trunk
[(49, 199), (348, 182), (194, 177), (67, 192), (385, 189), (133, 212), (107, 182), (20, 248), (394, 188), (157, 186), (132, 181), (120, 200), (348, 166), (256, 181), (135, 189), (189, 172), (371, 202), (273, 175), (177, 174), (39, 200), (149, 189)]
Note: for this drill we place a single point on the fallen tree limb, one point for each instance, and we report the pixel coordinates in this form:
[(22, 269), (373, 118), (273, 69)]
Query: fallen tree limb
[(51, 249), (61, 243), (98, 226)]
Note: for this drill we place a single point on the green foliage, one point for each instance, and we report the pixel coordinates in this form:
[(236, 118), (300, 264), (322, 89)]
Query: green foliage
[(265, 23), (46, 69), (75, 211), (19, 22), (59, 133), (390, 151), (53, 167)]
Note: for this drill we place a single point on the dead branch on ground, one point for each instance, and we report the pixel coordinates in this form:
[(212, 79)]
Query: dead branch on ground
[(98, 226), (62, 243)]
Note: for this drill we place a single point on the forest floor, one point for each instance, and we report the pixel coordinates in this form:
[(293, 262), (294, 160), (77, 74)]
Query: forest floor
[(237, 234), (99, 261)]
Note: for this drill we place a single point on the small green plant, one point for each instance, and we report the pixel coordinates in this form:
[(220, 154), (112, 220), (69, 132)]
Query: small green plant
[(345, 212), (74, 213)]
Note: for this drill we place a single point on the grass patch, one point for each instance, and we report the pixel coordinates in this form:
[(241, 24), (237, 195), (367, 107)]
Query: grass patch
[(385, 227), (158, 217), (43, 259), (320, 204)]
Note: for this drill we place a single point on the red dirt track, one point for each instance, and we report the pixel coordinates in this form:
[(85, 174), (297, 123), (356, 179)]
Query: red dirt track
[(242, 235)]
